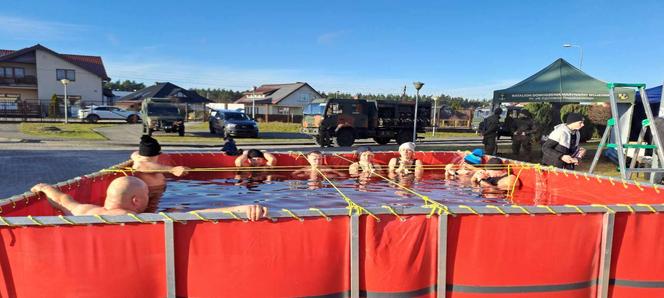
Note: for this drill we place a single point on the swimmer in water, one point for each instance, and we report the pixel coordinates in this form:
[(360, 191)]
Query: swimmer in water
[(495, 176), (315, 169), (467, 167), (255, 158), (406, 163), (365, 166)]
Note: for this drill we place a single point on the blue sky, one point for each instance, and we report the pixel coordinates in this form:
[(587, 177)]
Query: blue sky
[(461, 48)]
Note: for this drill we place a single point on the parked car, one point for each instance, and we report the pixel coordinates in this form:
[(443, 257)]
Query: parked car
[(232, 123), (93, 114)]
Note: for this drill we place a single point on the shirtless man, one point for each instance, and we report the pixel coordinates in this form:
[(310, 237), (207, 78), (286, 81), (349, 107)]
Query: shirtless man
[(151, 171), (126, 195), (495, 176), (365, 166), (255, 158), (406, 163), (315, 168)]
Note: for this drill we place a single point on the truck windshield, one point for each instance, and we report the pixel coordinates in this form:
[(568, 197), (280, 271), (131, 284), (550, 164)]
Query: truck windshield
[(236, 116), (163, 110), (314, 109)]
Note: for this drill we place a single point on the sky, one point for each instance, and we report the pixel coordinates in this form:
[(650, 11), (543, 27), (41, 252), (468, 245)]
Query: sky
[(458, 48)]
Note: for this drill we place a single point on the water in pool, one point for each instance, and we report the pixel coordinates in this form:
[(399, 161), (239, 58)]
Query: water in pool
[(278, 190)]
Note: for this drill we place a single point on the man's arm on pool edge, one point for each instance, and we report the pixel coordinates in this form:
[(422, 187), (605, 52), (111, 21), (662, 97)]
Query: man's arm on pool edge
[(66, 203), (253, 212)]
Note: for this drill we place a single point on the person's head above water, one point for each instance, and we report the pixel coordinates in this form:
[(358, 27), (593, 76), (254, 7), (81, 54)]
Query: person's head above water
[(148, 146), (407, 149), (364, 153), (128, 193), (315, 158), (475, 157)]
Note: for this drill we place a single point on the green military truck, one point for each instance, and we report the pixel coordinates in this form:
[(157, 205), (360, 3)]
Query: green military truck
[(162, 114), (342, 121)]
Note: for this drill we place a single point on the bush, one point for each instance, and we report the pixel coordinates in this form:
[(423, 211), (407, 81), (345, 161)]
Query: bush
[(541, 112)]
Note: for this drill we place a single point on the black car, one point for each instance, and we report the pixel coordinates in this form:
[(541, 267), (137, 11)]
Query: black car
[(232, 123)]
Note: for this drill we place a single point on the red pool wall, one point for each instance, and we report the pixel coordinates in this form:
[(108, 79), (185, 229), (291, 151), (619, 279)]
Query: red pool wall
[(515, 255)]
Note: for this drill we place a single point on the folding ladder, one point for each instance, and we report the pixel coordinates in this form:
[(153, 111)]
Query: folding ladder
[(613, 125)]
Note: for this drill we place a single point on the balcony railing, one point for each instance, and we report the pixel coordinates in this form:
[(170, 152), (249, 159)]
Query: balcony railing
[(24, 81)]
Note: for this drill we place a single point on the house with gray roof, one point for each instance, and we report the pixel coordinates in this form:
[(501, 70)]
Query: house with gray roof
[(34, 74), (133, 100), (278, 102)]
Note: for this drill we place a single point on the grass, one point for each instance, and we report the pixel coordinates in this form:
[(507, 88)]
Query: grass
[(262, 126), (63, 131)]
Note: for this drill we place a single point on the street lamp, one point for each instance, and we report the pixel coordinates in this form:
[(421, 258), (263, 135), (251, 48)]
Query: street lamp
[(569, 45), (418, 86), (65, 82), (435, 113), (253, 103)]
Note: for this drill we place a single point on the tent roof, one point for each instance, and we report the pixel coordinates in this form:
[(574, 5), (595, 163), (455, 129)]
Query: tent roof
[(560, 82), (654, 94)]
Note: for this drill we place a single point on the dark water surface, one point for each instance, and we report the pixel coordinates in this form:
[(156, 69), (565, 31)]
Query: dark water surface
[(274, 190)]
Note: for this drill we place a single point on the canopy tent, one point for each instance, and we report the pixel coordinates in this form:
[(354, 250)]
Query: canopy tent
[(654, 98), (560, 82)]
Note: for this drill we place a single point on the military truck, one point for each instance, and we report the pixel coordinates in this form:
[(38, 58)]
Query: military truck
[(162, 114), (342, 121)]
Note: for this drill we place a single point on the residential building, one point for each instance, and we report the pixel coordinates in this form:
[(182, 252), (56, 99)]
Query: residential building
[(133, 100), (33, 75), (279, 102)]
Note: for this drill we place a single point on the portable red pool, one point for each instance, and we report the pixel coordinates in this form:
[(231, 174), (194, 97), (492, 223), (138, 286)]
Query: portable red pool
[(578, 236)]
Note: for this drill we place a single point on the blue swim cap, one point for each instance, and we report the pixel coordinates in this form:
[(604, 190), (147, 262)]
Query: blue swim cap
[(475, 157)]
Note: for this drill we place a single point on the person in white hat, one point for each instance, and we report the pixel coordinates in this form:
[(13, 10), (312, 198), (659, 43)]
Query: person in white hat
[(406, 163)]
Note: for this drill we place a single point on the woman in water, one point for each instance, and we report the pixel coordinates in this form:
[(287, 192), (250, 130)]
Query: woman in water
[(406, 163)]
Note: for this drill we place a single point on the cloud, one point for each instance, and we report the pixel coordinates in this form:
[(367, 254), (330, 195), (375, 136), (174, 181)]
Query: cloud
[(329, 38), (29, 29)]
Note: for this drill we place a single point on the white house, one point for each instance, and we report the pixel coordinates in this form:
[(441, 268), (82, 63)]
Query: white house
[(33, 74), (278, 101)]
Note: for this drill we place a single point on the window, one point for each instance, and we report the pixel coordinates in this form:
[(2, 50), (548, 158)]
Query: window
[(19, 72), (68, 74), (333, 109), (12, 72)]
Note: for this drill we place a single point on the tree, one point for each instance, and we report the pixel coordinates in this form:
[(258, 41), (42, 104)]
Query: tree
[(125, 85)]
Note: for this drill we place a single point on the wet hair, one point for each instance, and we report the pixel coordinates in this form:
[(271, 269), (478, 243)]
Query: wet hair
[(494, 161), (254, 153), (314, 152)]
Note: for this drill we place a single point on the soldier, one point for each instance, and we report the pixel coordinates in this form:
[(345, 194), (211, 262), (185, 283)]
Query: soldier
[(490, 129), (522, 129)]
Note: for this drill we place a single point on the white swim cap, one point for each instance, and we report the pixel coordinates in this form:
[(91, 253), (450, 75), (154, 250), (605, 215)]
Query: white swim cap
[(407, 146)]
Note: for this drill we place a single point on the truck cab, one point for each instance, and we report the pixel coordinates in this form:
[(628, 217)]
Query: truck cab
[(162, 114)]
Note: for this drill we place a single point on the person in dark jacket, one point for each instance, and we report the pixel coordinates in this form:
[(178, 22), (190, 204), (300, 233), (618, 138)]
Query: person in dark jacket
[(490, 132), (562, 149), (522, 129)]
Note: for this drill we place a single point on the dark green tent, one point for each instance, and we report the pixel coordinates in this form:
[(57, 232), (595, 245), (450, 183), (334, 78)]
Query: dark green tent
[(560, 82)]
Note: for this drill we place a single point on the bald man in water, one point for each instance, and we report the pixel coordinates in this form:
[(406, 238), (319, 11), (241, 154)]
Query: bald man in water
[(126, 195)]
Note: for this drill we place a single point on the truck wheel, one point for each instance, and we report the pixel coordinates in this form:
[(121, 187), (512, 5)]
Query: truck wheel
[(212, 131), (181, 131), (344, 138), (404, 136), (382, 140)]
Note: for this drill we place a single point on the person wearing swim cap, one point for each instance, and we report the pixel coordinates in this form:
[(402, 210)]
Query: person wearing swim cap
[(365, 165), (151, 170), (467, 166), (406, 163)]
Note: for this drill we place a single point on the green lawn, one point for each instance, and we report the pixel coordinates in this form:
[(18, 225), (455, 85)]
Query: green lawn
[(64, 131), (262, 126)]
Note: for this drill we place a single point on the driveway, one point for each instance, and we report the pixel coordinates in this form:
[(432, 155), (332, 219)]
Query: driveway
[(122, 133)]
